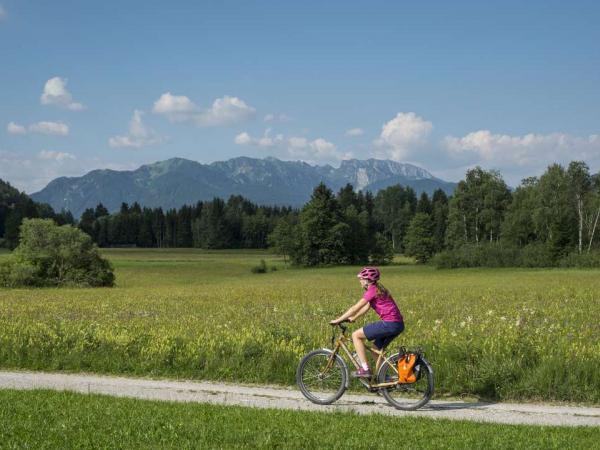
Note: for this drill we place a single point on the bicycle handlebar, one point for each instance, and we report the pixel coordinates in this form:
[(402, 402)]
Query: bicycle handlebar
[(342, 326)]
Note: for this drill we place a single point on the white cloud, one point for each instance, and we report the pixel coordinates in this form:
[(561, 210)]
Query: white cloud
[(55, 128), (178, 108), (14, 128), (34, 172), (318, 150), (325, 150), (276, 118), (519, 156), (527, 150), (530, 150), (224, 111), (355, 132), (243, 139), (44, 127), (297, 143), (265, 141), (402, 136), (56, 156), (139, 134), (56, 93)]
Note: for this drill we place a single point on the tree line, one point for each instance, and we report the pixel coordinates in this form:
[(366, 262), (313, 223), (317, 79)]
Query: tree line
[(216, 224), (355, 227), (543, 221), (548, 220), (347, 227), (16, 206)]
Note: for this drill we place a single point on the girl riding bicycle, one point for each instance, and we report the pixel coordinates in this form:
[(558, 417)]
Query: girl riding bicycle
[(383, 332)]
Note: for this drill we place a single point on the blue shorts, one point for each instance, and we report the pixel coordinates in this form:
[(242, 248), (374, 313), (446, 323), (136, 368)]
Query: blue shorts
[(383, 332)]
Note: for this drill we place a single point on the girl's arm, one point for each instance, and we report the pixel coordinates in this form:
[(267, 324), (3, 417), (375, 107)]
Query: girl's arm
[(351, 311), (361, 312)]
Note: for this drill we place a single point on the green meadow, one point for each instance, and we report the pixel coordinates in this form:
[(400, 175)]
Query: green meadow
[(498, 334), (44, 419)]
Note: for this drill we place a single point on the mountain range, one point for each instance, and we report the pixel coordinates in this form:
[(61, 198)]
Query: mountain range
[(177, 181)]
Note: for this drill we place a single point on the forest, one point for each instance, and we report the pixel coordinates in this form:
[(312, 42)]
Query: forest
[(547, 220)]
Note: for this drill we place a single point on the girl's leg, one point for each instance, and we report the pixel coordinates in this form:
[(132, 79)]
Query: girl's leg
[(358, 340)]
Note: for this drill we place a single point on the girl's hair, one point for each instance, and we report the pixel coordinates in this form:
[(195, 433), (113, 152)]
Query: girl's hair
[(381, 290)]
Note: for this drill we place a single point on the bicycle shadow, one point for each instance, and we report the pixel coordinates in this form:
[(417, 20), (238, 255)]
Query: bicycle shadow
[(450, 406), (435, 405)]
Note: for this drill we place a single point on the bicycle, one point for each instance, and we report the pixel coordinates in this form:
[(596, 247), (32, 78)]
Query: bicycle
[(323, 375)]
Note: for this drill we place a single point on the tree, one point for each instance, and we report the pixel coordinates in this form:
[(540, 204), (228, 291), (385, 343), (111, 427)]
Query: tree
[(158, 227), (477, 208), (255, 229), (211, 228), (553, 219), (316, 229), (86, 222), (424, 204), (439, 217), (595, 202), (580, 182), (419, 239), (171, 228), (184, 227), (358, 239), (381, 251), (282, 238), (52, 255), (24, 208), (394, 208), (347, 197), (64, 217), (100, 211), (146, 237), (518, 226)]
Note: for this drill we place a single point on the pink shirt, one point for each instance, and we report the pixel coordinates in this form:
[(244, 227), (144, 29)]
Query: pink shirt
[(384, 305)]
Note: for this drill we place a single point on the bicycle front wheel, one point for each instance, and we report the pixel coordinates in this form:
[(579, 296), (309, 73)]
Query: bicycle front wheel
[(321, 379), (409, 396)]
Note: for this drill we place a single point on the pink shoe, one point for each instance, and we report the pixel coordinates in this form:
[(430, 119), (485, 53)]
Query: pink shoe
[(362, 373)]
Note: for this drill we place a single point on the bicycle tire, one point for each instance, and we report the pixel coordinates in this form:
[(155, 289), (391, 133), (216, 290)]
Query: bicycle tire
[(407, 397), (316, 387)]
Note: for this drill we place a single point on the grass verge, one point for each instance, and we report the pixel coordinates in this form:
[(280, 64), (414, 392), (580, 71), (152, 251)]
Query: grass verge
[(48, 419)]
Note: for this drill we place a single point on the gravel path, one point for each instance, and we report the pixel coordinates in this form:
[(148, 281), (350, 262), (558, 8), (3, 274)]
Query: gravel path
[(278, 397)]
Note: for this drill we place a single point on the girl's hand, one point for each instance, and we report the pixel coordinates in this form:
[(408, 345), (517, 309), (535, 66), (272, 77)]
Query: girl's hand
[(334, 322)]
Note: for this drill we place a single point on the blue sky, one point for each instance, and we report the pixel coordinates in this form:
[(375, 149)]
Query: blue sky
[(512, 86)]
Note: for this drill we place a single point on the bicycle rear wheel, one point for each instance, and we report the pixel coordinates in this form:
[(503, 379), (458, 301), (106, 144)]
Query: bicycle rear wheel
[(409, 396), (321, 384)]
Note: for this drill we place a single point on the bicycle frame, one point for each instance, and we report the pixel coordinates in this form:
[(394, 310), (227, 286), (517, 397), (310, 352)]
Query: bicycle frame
[(381, 358)]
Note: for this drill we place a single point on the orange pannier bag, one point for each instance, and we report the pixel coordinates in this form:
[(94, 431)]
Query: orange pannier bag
[(406, 363)]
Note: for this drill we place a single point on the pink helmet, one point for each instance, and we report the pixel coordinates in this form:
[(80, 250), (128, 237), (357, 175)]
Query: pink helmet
[(369, 273)]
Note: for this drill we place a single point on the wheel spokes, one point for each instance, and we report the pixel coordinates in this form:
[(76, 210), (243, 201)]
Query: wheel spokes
[(317, 375)]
